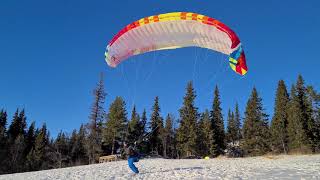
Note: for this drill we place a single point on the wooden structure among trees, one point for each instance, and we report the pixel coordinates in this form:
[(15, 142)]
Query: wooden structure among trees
[(109, 158)]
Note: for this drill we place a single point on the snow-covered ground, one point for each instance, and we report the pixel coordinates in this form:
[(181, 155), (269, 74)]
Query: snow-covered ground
[(266, 167)]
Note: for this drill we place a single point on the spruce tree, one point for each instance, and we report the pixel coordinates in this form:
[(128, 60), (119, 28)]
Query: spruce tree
[(115, 132), (317, 129), (93, 144), (32, 161), (61, 147), (3, 142), (315, 99), (15, 127), (16, 161), (78, 151), (306, 107), (144, 144), (51, 155), (71, 145), (237, 120), (205, 134), (255, 128), (16, 135), (168, 137), (23, 120), (3, 123), (297, 138), (279, 134), (36, 158), (300, 122), (30, 140), (156, 125), (134, 131), (42, 156), (187, 131), (231, 135), (217, 125), (143, 122)]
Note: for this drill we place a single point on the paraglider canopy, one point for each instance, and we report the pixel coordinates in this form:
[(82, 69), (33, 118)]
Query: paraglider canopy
[(176, 30)]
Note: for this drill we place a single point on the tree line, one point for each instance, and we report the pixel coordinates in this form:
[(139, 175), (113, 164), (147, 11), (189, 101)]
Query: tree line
[(293, 128)]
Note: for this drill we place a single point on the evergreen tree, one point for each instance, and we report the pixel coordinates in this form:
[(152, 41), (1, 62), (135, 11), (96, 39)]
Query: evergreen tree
[(30, 140), (156, 128), (36, 158), (297, 138), (255, 128), (32, 162), (42, 156), (134, 131), (61, 147), (300, 122), (187, 132), (237, 120), (71, 145), (144, 145), (3, 123), (93, 144), (279, 134), (15, 127), (143, 122), (16, 135), (306, 107), (116, 126), (16, 160), (23, 120), (3, 141), (168, 137), (205, 134), (317, 129), (78, 152), (217, 125), (51, 155), (315, 99), (231, 135)]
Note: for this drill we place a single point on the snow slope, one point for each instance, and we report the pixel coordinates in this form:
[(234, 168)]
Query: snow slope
[(275, 167)]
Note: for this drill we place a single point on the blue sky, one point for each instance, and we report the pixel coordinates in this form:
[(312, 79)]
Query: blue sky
[(52, 52)]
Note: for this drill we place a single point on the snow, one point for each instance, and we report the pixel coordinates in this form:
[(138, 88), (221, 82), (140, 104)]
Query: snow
[(264, 167)]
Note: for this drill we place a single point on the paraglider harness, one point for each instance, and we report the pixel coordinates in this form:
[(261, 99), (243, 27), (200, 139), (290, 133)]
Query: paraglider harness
[(145, 137), (133, 150), (132, 153), (133, 157)]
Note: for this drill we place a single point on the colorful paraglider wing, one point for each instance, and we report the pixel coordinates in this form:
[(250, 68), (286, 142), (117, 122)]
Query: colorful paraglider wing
[(176, 30)]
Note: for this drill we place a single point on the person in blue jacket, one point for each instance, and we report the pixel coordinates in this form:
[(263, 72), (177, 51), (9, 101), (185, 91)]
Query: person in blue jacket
[(133, 156)]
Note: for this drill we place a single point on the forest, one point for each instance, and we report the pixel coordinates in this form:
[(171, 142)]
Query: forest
[(294, 127)]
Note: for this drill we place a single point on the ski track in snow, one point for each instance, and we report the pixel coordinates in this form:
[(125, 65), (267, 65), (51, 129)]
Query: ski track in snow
[(276, 167)]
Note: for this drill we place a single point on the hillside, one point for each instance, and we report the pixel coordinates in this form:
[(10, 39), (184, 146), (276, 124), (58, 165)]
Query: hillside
[(265, 167)]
